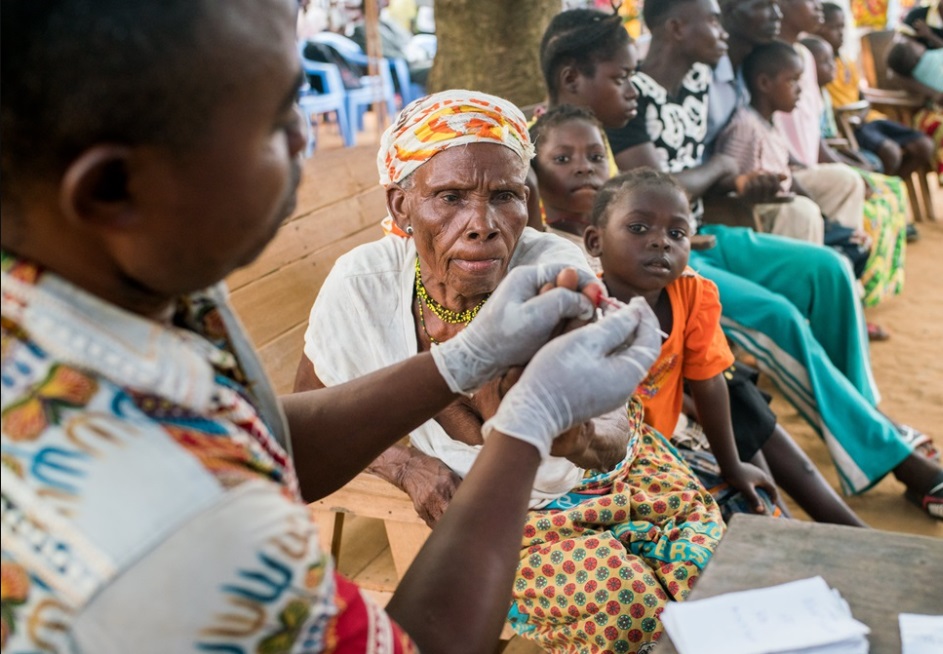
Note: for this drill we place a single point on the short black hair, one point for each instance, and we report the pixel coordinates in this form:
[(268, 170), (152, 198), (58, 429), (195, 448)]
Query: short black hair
[(579, 37), (558, 115), (637, 178), (79, 72), (767, 59), (903, 55), (816, 44), (656, 12), (829, 9)]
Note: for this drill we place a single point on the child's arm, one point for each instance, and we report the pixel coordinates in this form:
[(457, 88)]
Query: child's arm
[(713, 412)]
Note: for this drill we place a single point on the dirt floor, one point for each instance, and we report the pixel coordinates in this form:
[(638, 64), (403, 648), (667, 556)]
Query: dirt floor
[(909, 372)]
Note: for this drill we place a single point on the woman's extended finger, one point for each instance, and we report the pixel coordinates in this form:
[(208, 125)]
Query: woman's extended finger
[(568, 278)]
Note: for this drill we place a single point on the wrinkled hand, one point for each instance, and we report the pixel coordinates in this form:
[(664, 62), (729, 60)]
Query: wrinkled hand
[(759, 186), (572, 443), (515, 322), (488, 398), (430, 484), (746, 478), (585, 373)]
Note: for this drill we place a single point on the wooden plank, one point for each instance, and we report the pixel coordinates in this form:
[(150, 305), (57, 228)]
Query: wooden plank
[(333, 175), (875, 571), (330, 528), (370, 496), (379, 574), (275, 304), (362, 541), (314, 231), (406, 539)]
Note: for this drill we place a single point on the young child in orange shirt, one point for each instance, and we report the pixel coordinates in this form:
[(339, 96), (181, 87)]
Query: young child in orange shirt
[(569, 144), (640, 230)]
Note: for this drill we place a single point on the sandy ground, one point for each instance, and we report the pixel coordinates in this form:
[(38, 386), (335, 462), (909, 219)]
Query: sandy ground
[(909, 372)]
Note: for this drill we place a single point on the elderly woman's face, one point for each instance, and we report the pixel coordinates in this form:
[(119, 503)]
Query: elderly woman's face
[(467, 206)]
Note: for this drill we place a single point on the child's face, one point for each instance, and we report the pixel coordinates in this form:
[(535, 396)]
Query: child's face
[(609, 92), (833, 30), (571, 166), (645, 244), (783, 89), (824, 63)]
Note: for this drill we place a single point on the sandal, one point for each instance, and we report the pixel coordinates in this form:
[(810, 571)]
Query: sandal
[(921, 443), (877, 333), (932, 500)]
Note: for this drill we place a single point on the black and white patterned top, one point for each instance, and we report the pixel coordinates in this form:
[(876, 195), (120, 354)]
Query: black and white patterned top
[(676, 126)]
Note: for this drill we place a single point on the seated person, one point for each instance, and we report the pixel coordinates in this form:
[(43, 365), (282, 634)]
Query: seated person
[(884, 215), (753, 142), (771, 72), (881, 272), (596, 497), (571, 166), (908, 57), (926, 26), (901, 149), (926, 21)]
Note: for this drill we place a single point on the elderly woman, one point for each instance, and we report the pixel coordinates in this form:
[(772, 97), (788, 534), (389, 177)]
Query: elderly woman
[(618, 524)]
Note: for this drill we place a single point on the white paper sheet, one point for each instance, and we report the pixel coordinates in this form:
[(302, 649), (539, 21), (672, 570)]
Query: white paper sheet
[(921, 634), (795, 616)]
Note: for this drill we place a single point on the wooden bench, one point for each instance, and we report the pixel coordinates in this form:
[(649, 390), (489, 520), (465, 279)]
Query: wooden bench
[(340, 204)]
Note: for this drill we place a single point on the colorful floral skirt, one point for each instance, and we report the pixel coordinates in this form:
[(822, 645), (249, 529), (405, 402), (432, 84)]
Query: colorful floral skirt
[(599, 565), (885, 221)]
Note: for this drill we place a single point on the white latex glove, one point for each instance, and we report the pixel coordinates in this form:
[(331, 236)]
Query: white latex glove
[(585, 373), (514, 323)]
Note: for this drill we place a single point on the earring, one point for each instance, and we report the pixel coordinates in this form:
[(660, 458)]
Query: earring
[(409, 229)]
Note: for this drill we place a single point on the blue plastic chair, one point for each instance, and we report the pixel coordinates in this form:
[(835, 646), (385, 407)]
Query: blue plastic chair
[(332, 99), (374, 88), (399, 68), (409, 90)]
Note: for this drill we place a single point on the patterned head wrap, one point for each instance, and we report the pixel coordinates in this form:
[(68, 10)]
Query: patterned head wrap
[(440, 121)]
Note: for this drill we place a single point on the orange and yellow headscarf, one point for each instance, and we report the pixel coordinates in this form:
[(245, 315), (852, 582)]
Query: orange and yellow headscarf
[(443, 120)]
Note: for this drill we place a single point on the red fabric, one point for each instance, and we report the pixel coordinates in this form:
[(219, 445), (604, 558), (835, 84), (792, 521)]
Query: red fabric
[(362, 626)]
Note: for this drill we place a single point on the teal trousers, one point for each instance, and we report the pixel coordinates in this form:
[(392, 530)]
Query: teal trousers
[(794, 306)]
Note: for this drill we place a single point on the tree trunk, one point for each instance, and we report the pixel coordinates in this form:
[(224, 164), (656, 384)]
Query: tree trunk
[(492, 46)]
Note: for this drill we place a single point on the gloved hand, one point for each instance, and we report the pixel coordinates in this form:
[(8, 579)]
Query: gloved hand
[(585, 373), (514, 323)]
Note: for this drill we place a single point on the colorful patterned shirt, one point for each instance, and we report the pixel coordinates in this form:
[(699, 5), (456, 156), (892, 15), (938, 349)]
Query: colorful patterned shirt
[(148, 503)]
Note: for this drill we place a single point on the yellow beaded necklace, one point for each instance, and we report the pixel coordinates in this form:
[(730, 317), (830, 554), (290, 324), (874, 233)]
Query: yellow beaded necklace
[(440, 312)]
